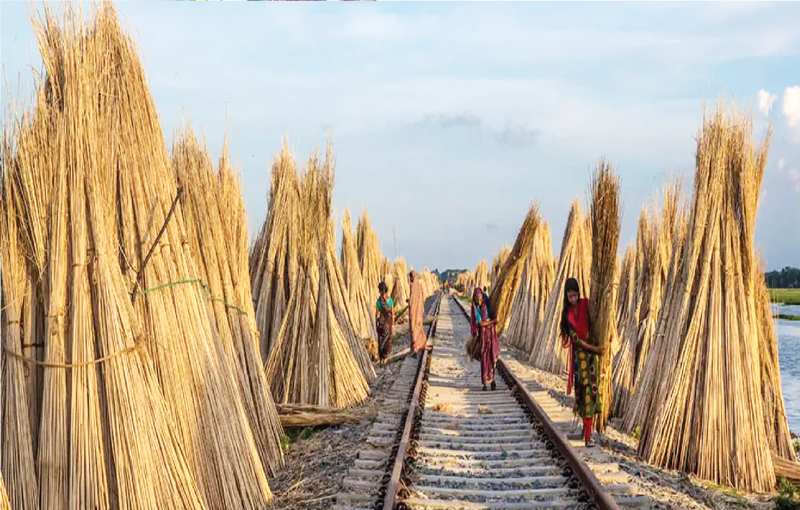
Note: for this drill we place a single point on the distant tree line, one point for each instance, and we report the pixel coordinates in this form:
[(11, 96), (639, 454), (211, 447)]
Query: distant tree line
[(786, 278)]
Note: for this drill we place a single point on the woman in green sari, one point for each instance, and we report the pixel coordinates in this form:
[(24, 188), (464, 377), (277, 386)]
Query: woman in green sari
[(584, 357)]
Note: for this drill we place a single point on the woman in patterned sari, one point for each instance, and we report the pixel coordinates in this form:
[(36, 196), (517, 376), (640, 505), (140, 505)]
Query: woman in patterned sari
[(384, 322), (483, 329), (584, 357)]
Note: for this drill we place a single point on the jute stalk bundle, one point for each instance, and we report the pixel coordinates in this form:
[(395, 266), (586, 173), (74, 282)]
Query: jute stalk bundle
[(627, 287), (772, 394), (481, 275), (545, 265), (369, 256), (401, 291), (18, 455), (505, 285), (606, 218), (527, 311), (273, 258), (196, 375), (5, 504), (343, 309), (388, 279), (105, 426), (35, 144), (386, 269), (213, 227), (497, 262), (628, 325), (643, 375), (430, 284), (363, 308), (574, 262), (467, 281), (312, 360), (657, 240), (706, 413)]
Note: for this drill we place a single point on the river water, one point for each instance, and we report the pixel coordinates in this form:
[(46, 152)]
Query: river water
[(789, 354)]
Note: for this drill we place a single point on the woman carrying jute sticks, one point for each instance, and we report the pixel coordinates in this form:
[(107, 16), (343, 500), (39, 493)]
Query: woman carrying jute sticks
[(384, 322), (416, 310), (483, 328), (584, 369)]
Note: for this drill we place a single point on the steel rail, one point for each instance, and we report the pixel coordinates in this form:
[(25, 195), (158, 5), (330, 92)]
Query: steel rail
[(588, 479), (393, 485)]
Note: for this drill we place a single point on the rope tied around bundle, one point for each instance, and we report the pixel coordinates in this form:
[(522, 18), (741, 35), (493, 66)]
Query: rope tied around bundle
[(206, 293)]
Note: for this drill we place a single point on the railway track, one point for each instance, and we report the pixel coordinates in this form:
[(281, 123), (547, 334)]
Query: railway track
[(366, 482), (453, 446)]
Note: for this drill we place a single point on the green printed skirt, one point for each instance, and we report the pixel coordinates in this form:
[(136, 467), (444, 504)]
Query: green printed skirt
[(587, 375)]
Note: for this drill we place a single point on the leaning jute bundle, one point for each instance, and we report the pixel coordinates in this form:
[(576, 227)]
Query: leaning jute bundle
[(497, 262), (482, 275), (274, 255), (504, 287), (706, 412), (628, 324), (401, 291), (369, 256), (107, 438), (430, 283), (343, 309), (18, 452), (466, 281), (627, 286), (213, 227), (772, 395), (527, 310), (363, 308), (547, 353), (606, 217), (655, 242), (5, 504), (312, 359), (197, 378)]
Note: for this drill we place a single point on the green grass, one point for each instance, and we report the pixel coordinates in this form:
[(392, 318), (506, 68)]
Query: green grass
[(785, 296), (293, 435), (728, 491), (787, 317), (788, 496)]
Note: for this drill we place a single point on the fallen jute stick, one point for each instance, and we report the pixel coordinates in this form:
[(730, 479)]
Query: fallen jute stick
[(787, 469), (300, 415)]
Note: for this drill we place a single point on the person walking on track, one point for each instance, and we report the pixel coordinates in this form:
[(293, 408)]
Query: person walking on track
[(484, 331), (584, 357), (384, 322), (416, 309)]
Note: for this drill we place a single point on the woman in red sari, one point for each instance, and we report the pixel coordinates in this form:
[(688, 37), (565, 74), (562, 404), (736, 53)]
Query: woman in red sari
[(481, 324), (584, 357)]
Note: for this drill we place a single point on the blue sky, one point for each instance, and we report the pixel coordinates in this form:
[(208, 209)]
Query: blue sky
[(449, 119)]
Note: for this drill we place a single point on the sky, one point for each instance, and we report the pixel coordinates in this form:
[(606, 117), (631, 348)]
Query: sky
[(449, 120)]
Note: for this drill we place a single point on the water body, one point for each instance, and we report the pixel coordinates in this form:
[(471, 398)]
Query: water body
[(789, 355)]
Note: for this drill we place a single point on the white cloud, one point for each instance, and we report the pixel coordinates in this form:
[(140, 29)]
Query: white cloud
[(791, 106), (793, 176), (781, 165), (765, 101)]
